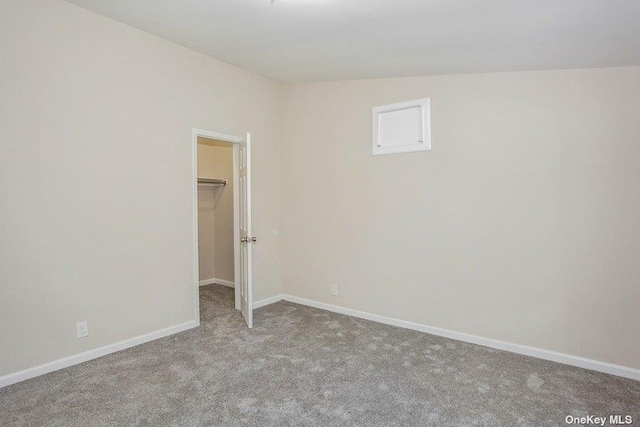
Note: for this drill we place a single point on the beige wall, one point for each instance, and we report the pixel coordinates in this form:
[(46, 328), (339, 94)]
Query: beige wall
[(223, 239), (521, 225), (215, 211), (206, 211), (95, 177), (206, 233), (206, 154)]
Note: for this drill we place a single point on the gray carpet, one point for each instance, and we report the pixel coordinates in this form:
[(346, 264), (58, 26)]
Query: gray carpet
[(301, 366)]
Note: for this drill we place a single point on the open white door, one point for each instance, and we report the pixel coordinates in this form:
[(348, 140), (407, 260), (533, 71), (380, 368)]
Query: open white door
[(244, 229)]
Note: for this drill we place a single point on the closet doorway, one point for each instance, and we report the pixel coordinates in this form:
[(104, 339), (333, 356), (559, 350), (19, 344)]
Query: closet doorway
[(222, 217)]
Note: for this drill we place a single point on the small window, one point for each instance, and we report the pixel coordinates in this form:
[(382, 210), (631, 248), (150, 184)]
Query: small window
[(402, 128)]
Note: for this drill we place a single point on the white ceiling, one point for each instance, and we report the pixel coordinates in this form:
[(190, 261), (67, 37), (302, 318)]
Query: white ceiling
[(314, 40)]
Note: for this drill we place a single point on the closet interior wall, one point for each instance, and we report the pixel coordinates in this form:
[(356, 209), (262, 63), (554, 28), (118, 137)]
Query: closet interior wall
[(215, 213)]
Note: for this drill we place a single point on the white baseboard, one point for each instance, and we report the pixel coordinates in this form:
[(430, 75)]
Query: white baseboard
[(553, 356), (92, 354), (225, 283), (567, 359), (217, 282), (267, 301)]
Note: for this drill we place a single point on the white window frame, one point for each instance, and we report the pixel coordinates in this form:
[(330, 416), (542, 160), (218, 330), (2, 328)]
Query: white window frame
[(424, 144)]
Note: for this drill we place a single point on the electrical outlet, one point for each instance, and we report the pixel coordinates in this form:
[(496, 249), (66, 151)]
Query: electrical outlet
[(334, 289), (82, 330)]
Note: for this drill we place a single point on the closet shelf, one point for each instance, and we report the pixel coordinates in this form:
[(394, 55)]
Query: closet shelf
[(212, 182)]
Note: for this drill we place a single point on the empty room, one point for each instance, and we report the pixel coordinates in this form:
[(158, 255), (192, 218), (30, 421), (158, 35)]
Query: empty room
[(320, 213)]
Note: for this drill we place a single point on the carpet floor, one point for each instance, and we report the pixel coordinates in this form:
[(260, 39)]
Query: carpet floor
[(302, 366)]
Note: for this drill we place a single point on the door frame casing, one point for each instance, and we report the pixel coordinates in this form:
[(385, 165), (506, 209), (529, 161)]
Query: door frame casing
[(235, 140)]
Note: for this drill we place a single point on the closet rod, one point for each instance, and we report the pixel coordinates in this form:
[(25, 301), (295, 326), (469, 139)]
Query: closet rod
[(212, 182)]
